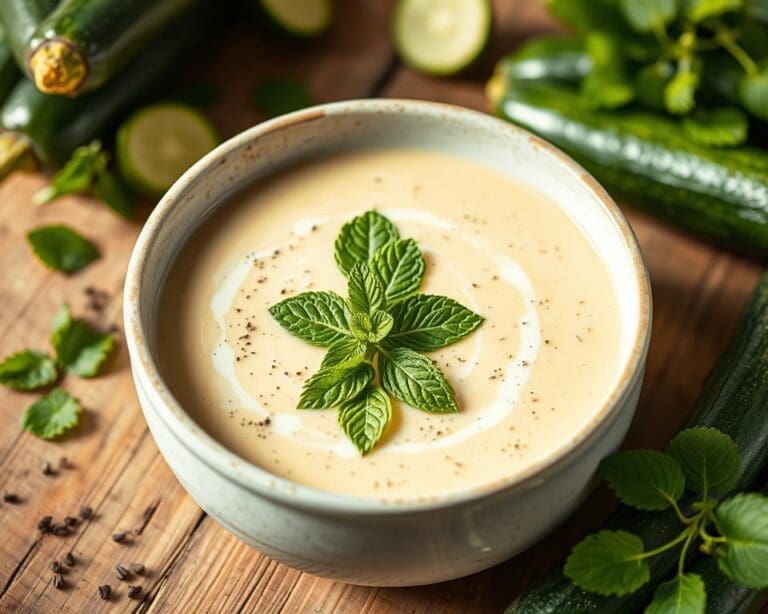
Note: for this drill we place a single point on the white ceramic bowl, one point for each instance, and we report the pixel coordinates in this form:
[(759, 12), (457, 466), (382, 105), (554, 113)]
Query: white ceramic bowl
[(359, 540)]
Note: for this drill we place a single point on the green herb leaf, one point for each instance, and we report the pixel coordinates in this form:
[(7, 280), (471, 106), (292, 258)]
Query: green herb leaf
[(80, 349), (332, 386), (62, 249), (318, 318), (27, 370), (360, 238), (651, 82), (680, 92), (645, 479), (344, 352), (415, 380), (364, 289), (77, 175), (51, 415), (113, 193), (372, 327), (606, 85), (275, 97), (608, 563), (426, 323), (645, 15), (743, 521), (710, 460), (683, 595), (753, 93), (365, 418), (400, 267), (717, 128), (699, 10)]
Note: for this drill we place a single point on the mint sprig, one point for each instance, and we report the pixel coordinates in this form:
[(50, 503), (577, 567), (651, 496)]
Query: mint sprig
[(707, 462), (374, 336), (60, 248), (51, 415)]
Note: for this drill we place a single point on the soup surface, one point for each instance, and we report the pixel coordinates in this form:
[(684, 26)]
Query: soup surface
[(539, 369)]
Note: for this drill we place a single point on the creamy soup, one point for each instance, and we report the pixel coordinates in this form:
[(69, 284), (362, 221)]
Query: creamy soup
[(536, 372)]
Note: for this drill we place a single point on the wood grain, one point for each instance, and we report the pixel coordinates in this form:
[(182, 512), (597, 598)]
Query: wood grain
[(193, 565)]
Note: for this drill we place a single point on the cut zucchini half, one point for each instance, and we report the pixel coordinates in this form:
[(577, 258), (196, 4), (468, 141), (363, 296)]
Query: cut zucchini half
[(159, 142), (442, 37), (299, 17)]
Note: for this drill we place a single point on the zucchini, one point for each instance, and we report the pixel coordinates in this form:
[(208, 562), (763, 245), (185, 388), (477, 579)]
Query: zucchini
[(19, 20), (549, 58), (648, 160), (9, 73), (733, 400), (83, 43), (54, 126), (299, 18)]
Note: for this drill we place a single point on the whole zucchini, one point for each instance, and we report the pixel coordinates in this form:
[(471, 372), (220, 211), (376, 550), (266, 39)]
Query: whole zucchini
[(733, 400), (648, 161), (9, 73), (54, 126), (550, 58), (83, 43), (19, 19)]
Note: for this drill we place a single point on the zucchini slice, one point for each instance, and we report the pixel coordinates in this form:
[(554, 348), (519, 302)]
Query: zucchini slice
[(298, 17)]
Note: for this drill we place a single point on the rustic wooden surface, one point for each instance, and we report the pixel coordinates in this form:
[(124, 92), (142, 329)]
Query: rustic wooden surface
[(193, 565)]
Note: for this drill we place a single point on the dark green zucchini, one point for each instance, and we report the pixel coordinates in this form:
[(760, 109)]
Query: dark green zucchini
[(54, 126), (733, 400), (549, 58), (9, 72), (648, 161), (19, 19), (83, 43)]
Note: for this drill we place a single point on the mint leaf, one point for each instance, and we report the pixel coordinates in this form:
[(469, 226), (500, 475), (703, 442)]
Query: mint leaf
[(427, 322), (332, 386), (62, 249), (364, 289), (275, 97), (683, 595), (27, 370), (51, 415), (400, 267), (645, 15), (372, 327), (699, 10), (345, 351), (318, 318), (415, 380), (77, 175), (753, 93), (716, 128), (114, 193), (710, 460), (645, 479), (743, 521), (680, 92), (80, 349), (608, 563), (650, 83), (360, 238), (364, 418), (606, 85)]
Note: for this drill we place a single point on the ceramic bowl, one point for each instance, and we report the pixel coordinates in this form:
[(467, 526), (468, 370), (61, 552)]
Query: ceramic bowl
[(358, 540)]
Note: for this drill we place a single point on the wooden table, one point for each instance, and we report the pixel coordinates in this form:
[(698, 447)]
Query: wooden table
[(192, 563)]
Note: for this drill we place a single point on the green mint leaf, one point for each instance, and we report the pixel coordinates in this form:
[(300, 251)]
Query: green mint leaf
[(606, 85), (710, 460), (62, 249), (415, 380), (332, 386), (753, 93), (680, 92), (365, 418), (372, 327), (645, 15), (743, 521), (645, 479), (114, 193), (27, 370), (318, 318), (51, 415), (275, 97), (589, 15), (683, 595), (360, 238), (77, 175), (651, 82), (80, 349), (426, 322), (400, 267), (717, 128), (699, 10), (608, 563), (344, 352), (364, 289)]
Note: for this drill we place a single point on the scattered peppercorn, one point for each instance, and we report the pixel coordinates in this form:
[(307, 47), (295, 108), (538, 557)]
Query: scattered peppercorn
[(44, 524), (60, 530), (48, 470), (71, 521), (69, 559), (119, 537), (134, 592), (58, 581), (11, 497), (137, 568), (86, 512), (121, 572), (64, 463), (105, 592), (56, 567)]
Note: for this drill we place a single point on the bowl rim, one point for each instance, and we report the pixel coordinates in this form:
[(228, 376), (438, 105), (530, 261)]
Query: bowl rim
[(253, 478)]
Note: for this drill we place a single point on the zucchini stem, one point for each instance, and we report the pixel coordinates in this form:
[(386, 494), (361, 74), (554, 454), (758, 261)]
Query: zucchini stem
[(58, 67), (726, 39), (15, 154)]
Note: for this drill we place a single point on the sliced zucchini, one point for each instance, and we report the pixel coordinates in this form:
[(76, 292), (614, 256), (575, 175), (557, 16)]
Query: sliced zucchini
[(442, 37), (298, 17)]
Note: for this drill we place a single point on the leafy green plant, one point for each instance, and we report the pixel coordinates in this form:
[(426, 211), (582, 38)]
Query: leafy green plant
[(381, 328), (733, 530), (62, 249)]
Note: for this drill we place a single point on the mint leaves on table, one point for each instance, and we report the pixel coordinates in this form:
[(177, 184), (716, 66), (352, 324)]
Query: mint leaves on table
[(80, 349), (704, 461), (27, 370), (379, 329), (62, 249), (52, 414)]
